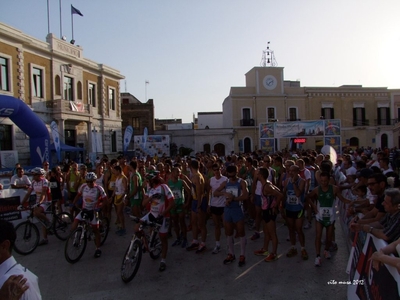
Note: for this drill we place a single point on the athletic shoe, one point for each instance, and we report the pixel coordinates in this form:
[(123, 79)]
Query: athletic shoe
[(201, 249), (307, 226), (327, 254), (97, 253), (216, 250), (43, 242), (242, 261), (304, 254), (192, 246), (292, 252), (184, 243), (271, 257), (162, 267), (333, 247), (177, 242), (261, 252), (317, 261), (255, 236), (229, 259)]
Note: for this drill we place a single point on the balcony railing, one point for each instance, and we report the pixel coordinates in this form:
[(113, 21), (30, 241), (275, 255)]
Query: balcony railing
[(247, 122), (386, 121), (293, 120), (360, 122), (65, 106)]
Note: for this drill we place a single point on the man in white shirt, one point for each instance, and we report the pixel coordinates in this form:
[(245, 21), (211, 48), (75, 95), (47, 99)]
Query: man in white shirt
[(9, 266), (20, 180)]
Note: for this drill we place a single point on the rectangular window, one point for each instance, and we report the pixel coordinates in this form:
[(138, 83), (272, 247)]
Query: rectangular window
[(5, 137), (4, 74), (327, 113), (37, 82), (246, 113), (111, 98), (293, 114), (136, 124), (92, 94), (383, 116), (271, 113), (359, 116), (68, 88), (113, 141)]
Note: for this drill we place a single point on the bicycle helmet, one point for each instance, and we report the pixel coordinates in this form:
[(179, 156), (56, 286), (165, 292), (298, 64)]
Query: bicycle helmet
[(91, 176), (38, 171), (152, 174)]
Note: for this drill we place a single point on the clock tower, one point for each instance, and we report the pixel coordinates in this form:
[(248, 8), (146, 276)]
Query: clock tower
[(266, 80)]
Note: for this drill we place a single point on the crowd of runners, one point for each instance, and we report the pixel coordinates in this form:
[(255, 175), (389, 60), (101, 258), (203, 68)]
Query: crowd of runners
[(238, 192)]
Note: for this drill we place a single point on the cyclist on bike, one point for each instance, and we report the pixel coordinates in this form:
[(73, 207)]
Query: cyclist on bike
[(92, 195), (40, 186), (161, 200)]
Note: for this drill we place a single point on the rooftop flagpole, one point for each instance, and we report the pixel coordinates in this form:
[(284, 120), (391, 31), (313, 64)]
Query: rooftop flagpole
[(48, 17), (61, 34), (74, 11)]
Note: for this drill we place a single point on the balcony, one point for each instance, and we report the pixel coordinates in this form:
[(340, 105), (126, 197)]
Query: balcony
[(385, 122), (360, 122), (272, 120), (66, 106), (247, 122)]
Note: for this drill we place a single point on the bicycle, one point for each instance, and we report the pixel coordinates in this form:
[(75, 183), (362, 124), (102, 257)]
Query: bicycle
[(77, 240), (140, 244), (28, 233)]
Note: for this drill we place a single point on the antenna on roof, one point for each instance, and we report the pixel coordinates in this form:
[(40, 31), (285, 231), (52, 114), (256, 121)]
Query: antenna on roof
[(126, 89), (268, 58)]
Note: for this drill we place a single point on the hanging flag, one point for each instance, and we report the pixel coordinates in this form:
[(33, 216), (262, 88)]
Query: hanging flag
[(56, 139), (127, 137), (75, 11)]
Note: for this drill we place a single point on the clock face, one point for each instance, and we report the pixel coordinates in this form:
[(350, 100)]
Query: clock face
[(270, 82)]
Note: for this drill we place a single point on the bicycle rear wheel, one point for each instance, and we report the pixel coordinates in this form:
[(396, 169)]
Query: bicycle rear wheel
[(75, 245), (131, 261), (155, 247), (27, 238), (62, 225), (104, 227)]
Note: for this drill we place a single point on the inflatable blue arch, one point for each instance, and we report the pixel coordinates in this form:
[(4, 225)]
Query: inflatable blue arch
[(23, 116)]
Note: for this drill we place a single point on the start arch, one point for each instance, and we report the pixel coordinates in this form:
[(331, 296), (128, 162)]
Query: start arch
[(23, 116)]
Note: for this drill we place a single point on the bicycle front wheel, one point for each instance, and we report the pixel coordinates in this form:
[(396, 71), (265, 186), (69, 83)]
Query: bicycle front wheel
[(27, 238), (131, 261), (62, 225), (155, 247), (104, 227), (75, 245)]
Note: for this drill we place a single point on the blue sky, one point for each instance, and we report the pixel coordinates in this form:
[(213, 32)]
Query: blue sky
[(192, 52)]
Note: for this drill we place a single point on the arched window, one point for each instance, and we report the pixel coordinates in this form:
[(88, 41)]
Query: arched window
[(219, 149), (79, 90), (57, 84), (207, 148)]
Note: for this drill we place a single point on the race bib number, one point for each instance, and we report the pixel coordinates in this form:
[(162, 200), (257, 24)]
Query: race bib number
[(232, 190), (293, 200), (112, 184), (71, 184), (177, 194), (53, 185), (326, 212)]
